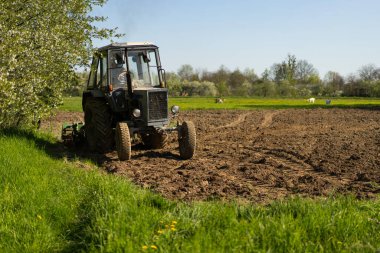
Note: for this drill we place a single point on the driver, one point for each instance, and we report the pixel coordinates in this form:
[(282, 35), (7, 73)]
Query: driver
[(118, 70)]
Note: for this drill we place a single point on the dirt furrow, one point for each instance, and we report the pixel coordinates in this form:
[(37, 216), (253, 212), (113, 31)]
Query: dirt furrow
[(268, 117), (236, 122)]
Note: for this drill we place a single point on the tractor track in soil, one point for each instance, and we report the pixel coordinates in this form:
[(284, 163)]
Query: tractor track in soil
[(294, 163), (268, 117), (260, 156), (240, 119)]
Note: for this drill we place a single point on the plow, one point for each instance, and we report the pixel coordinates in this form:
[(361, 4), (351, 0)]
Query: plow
[(73, 134)]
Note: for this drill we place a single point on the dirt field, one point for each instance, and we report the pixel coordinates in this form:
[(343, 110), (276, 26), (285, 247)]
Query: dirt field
[(258, 155)]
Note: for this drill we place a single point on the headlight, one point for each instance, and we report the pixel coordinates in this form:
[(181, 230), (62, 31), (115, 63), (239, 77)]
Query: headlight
[(175, 109), (136, 113)]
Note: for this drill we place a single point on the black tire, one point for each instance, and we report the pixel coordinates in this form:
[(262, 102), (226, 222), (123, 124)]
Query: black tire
[(98, 125), (155, 140), (123, 141), (187, 140)]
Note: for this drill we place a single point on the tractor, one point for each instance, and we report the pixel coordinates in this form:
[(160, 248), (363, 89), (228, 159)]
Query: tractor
[(126, 98)]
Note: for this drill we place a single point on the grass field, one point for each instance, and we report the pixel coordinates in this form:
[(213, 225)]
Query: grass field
[(73, 104), (48, 204)]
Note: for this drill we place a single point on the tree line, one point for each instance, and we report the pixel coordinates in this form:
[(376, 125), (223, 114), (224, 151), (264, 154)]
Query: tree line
[(289, 78)]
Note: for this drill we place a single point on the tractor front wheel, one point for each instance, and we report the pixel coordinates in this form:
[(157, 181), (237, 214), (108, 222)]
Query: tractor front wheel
[(123, 141), (187, 139)]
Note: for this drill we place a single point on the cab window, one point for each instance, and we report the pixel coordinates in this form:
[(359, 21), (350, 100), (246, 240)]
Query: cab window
[(93, 73), (143, 68), (103, 79), (117, 69)]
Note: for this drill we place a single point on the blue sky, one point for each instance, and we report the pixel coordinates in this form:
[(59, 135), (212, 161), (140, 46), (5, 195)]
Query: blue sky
[(338, 35)]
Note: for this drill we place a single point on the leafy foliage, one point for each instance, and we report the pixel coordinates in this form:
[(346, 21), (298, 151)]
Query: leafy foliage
[(41, 42)]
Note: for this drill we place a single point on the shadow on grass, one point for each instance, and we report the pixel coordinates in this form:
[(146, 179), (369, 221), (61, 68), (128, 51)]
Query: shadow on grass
[(58, 150), (79, 233), (52, 147)]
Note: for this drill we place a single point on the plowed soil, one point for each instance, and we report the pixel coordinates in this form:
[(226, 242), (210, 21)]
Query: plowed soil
[(258, 155)]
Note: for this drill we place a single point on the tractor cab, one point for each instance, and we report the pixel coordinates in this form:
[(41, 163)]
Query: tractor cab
[(130, 78), (127, 66)]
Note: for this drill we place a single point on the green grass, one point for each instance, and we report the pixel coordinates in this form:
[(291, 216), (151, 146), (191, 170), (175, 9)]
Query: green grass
[(48, 204), (190, 103), (71, 104)]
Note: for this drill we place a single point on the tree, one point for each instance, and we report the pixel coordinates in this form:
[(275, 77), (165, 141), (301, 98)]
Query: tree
[(221, 75), (76, 87), (278, 72), (250, 75), (291, 66), (265, 89), (207, 89), (265, 76), (174, 83), (222, 89), (244, 90), (351, 78), (41, 42), (204, 75), (334, 83), (186, 72), (285, 70), (369, 73), (304, 70), (235, 80), (196, 88), (313, 79), (285, 89)]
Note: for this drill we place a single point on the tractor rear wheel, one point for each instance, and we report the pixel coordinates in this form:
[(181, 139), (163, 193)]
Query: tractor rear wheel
[(123, 141), (155, 140), (98, 128), (187, 140)]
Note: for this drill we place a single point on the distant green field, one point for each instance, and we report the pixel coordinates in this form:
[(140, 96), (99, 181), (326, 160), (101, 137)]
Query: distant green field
[(48, 204), (73, 104)]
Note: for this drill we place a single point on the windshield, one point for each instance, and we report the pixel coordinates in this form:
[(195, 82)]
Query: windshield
[(143, 68), (118, 68)]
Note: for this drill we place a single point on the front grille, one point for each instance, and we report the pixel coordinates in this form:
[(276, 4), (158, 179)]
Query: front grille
[(158, 105)]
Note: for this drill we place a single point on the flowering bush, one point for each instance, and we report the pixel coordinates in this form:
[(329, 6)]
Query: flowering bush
[(41, 42)]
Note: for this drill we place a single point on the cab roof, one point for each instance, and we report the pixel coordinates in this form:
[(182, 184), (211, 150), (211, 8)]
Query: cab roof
[(127, 45)]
